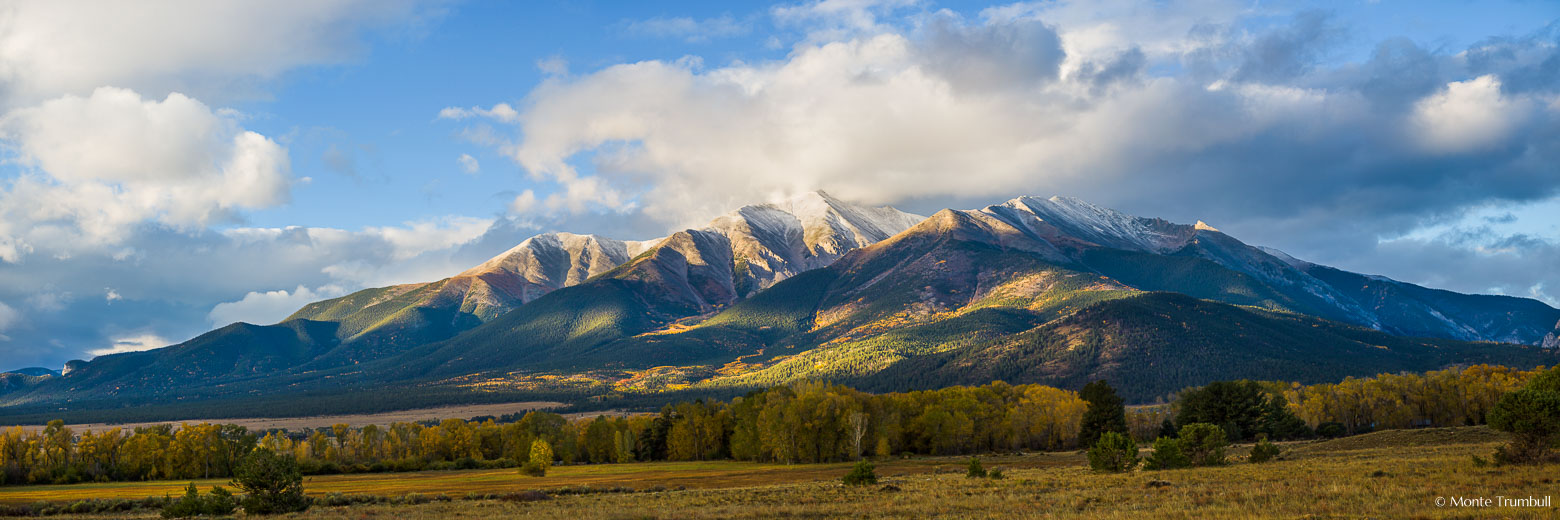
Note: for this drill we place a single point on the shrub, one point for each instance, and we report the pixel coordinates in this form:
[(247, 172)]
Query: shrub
[(1331, 430), (525, 496), (272, 484), (861, 475), (1532, 416), (1203, 443), (975, 470), (1167, 455), (995, 474), (541, 459), (1264, 451), (1114, 453), (219, 503)]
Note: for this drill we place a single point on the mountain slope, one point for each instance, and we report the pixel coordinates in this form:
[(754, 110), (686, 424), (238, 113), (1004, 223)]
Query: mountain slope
[(1035, 290)]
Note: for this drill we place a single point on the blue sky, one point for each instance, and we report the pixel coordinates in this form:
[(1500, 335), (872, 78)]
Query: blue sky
[(172, 166)]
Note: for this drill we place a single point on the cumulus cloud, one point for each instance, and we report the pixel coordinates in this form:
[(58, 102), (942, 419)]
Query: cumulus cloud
[(1468, 115), (106, 162), (118, 168), (264, 308), (1215, 111), (208, 49)]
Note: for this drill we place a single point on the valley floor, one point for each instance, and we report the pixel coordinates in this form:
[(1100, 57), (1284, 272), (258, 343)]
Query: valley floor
[(1397, 474), (382, 419)]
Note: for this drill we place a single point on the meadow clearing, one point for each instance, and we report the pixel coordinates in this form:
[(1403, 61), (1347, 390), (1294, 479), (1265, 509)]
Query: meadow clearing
[(261, 424), (1390, 474)]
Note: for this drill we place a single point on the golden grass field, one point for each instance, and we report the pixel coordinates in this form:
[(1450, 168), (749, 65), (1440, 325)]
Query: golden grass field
[(1394, 474), (325, 421)]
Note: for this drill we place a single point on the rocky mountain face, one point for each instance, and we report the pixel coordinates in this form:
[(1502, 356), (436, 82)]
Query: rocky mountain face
[(814, 287), (1070, 230)]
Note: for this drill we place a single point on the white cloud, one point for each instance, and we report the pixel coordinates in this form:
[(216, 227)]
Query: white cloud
[(469, 164), (690, 29), (501, 112), (827, 20), (524, 203), (265, 308), (110, 295), (975, 110), (131, 343), (110, 161), (416, 238), (8, 317), (212, 49), (1467, 116)]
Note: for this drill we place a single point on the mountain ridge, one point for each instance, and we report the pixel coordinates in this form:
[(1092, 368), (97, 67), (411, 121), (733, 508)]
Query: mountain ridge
[(813, 287)]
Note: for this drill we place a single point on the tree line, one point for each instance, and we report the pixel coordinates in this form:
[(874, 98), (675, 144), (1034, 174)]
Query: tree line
[(803, 422)]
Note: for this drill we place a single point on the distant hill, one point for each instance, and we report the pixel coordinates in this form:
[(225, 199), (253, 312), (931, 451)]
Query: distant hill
[(34, 371), (1055, 291)]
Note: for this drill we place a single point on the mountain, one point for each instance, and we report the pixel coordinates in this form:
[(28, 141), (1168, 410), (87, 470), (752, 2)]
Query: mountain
[(1055, 291), (33, 371)]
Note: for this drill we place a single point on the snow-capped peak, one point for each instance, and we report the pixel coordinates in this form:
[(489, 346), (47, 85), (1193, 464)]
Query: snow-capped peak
[(1292, 261), (1103, 226)]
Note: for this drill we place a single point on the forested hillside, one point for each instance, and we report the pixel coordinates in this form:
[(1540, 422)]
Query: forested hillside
[(1048, 291)]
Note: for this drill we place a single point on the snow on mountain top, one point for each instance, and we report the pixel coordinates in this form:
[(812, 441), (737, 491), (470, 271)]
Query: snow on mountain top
[(1292, 261), (866, 225), (1102, 225)]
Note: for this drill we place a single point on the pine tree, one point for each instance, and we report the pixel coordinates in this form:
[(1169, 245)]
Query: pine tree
[(1106, 413)]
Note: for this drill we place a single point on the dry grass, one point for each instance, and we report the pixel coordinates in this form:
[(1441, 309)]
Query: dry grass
[(325, 421), (691, 475), (1387, 475)]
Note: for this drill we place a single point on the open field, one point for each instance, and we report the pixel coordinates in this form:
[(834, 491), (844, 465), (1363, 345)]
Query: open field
[(692, 475), (324, 421), (1396, 474)]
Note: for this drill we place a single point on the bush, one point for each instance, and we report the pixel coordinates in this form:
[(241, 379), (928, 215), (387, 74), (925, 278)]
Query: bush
[(1331, 430), (995, 474), (1203, 443), (1264, 451), (1167, 455), (525, 496), (861, 475), (1533, 418), (1114, 453), (975, 470), (219, 503), (272, 483), (541, 459)]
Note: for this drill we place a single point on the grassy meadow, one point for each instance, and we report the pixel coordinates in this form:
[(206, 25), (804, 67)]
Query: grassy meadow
[(1390, 474)]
